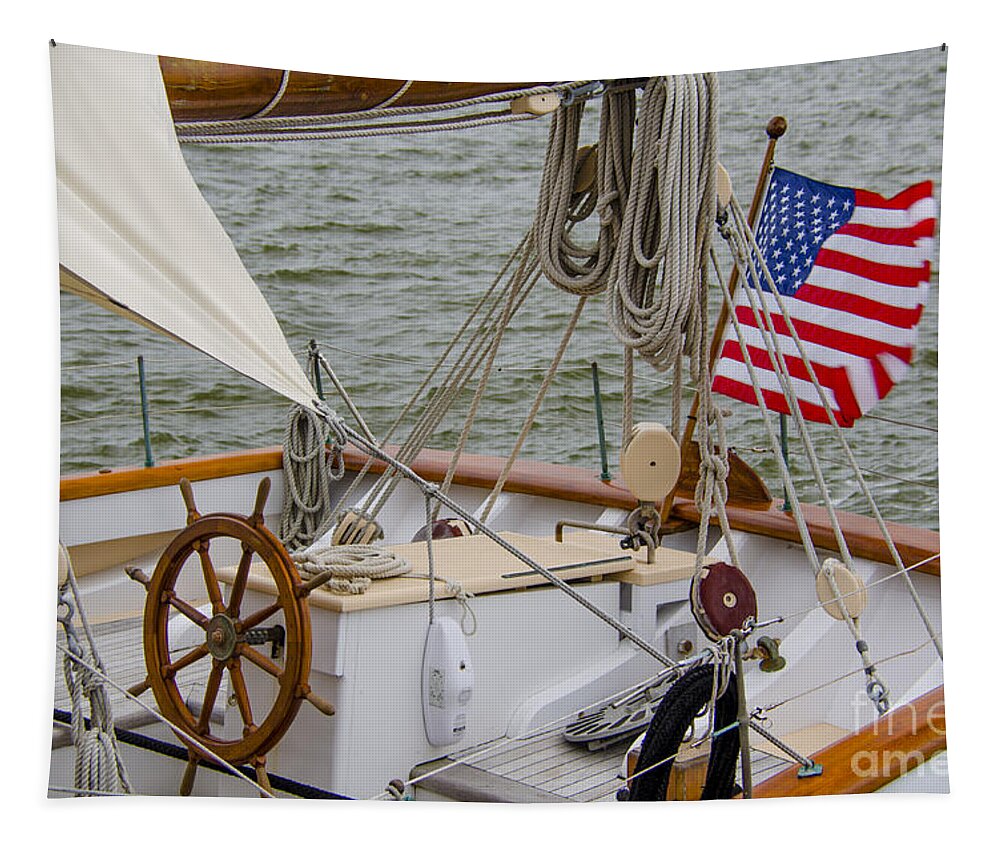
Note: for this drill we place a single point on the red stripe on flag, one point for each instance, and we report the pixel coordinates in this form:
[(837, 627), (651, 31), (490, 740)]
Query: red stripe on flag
[(900, 317), (884, 273), (776, 401), (904, 200), (810, 332), (890, 236), (833, 378)]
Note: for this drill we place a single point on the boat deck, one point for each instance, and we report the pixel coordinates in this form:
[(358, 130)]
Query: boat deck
[(547, 769), (119, 645)]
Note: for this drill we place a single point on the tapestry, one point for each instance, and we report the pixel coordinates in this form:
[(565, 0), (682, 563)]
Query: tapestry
[(536, 441)]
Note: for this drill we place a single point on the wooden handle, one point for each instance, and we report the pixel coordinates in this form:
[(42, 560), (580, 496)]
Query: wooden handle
[(188, 493), (319, 703), (263, 491)]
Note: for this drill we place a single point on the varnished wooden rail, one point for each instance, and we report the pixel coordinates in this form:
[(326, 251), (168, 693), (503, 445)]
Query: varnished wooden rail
[(900, 741), (536, 478)]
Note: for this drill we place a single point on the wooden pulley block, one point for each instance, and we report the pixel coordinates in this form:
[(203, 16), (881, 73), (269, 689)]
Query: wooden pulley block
[(722, 599), (650, 462), (849, 585), (723, 187), (356, 527), (586, 169)]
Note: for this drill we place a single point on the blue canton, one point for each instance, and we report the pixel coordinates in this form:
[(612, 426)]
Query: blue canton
[(799, 216)]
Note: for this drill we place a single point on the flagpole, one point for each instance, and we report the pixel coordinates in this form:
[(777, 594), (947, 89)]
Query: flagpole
[(775, 129)]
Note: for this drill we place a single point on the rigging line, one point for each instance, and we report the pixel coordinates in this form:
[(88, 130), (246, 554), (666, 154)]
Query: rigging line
[(463, 123), (551, 726), (183, 735), (523, 251), (75, 367), (878, 688), (909, 652), (902, 423), (743, 231), (426, 487), (295, 121), (865, 587), (70, 790)]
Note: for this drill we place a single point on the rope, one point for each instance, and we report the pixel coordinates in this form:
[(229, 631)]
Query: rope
[(667, 219), (577, 269), (308, 473), (98, 766), (354, 566), (200, 748), (188, 129), (876, 689), (370, 131), (487, 507), (751, 246)]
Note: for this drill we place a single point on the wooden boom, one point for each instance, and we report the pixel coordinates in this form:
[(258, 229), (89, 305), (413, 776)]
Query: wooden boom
[(217, 91)]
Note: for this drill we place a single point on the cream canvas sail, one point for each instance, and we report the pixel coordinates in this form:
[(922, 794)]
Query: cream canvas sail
[(135, 233)]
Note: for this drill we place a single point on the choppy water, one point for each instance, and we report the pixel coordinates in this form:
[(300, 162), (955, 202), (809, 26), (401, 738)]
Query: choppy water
[(377, 248)]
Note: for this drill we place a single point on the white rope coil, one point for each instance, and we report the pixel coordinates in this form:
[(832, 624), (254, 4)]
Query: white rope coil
[(354, 566), (575, 268), (668, 219), (98, 765), (308, 474)]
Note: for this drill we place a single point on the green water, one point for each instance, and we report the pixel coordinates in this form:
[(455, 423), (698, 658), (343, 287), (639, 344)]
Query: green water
[(377, 248)]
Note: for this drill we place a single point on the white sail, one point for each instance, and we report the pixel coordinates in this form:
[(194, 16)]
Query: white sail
[(135, 233)]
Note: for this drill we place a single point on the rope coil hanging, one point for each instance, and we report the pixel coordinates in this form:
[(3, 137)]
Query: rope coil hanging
[(562, 202), (98, 765), (668, 219), (308, 474)]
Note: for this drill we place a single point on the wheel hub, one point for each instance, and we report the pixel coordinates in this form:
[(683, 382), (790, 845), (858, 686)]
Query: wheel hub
[(221, 637)]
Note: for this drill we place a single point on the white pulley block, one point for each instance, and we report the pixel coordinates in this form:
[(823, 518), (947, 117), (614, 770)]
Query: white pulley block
[(650, 462), (446, 682), (850, 586)]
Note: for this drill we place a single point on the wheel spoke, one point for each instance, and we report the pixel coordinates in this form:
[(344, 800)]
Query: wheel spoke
[(258, 617), (242, 696), (261, 661), (211, 580), (190, 658), (240, 583), (186, 609), (211, 693)]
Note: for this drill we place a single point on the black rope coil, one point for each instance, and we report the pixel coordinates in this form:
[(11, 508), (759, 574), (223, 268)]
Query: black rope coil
[(685, 700)]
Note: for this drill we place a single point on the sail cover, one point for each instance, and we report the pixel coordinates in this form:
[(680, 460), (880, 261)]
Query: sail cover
[(135, 233)]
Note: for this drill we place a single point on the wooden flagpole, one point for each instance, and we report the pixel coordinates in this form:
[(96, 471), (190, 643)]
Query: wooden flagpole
[(776, 128)]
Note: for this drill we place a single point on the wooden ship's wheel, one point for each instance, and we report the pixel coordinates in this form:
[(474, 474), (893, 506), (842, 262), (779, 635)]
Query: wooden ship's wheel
[(229, 637)]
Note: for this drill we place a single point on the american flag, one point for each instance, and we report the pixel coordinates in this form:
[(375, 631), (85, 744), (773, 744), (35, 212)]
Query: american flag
[(853, 269)]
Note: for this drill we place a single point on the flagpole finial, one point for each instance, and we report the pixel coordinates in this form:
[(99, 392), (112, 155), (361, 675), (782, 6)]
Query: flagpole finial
[(776, 127)]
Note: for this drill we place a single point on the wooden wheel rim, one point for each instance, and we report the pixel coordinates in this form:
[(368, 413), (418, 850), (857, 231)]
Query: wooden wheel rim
[(293, 679)]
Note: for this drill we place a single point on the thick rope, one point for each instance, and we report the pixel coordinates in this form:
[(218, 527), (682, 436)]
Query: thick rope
[(354, 566), (575, 268), (187, 130), (668, 217), (308, 473), (98, 766)]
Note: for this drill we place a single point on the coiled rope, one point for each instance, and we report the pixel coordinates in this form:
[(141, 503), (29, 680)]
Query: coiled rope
[(354, 566), (668, 219), (575, 268), (308, 474), (98, 766)]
